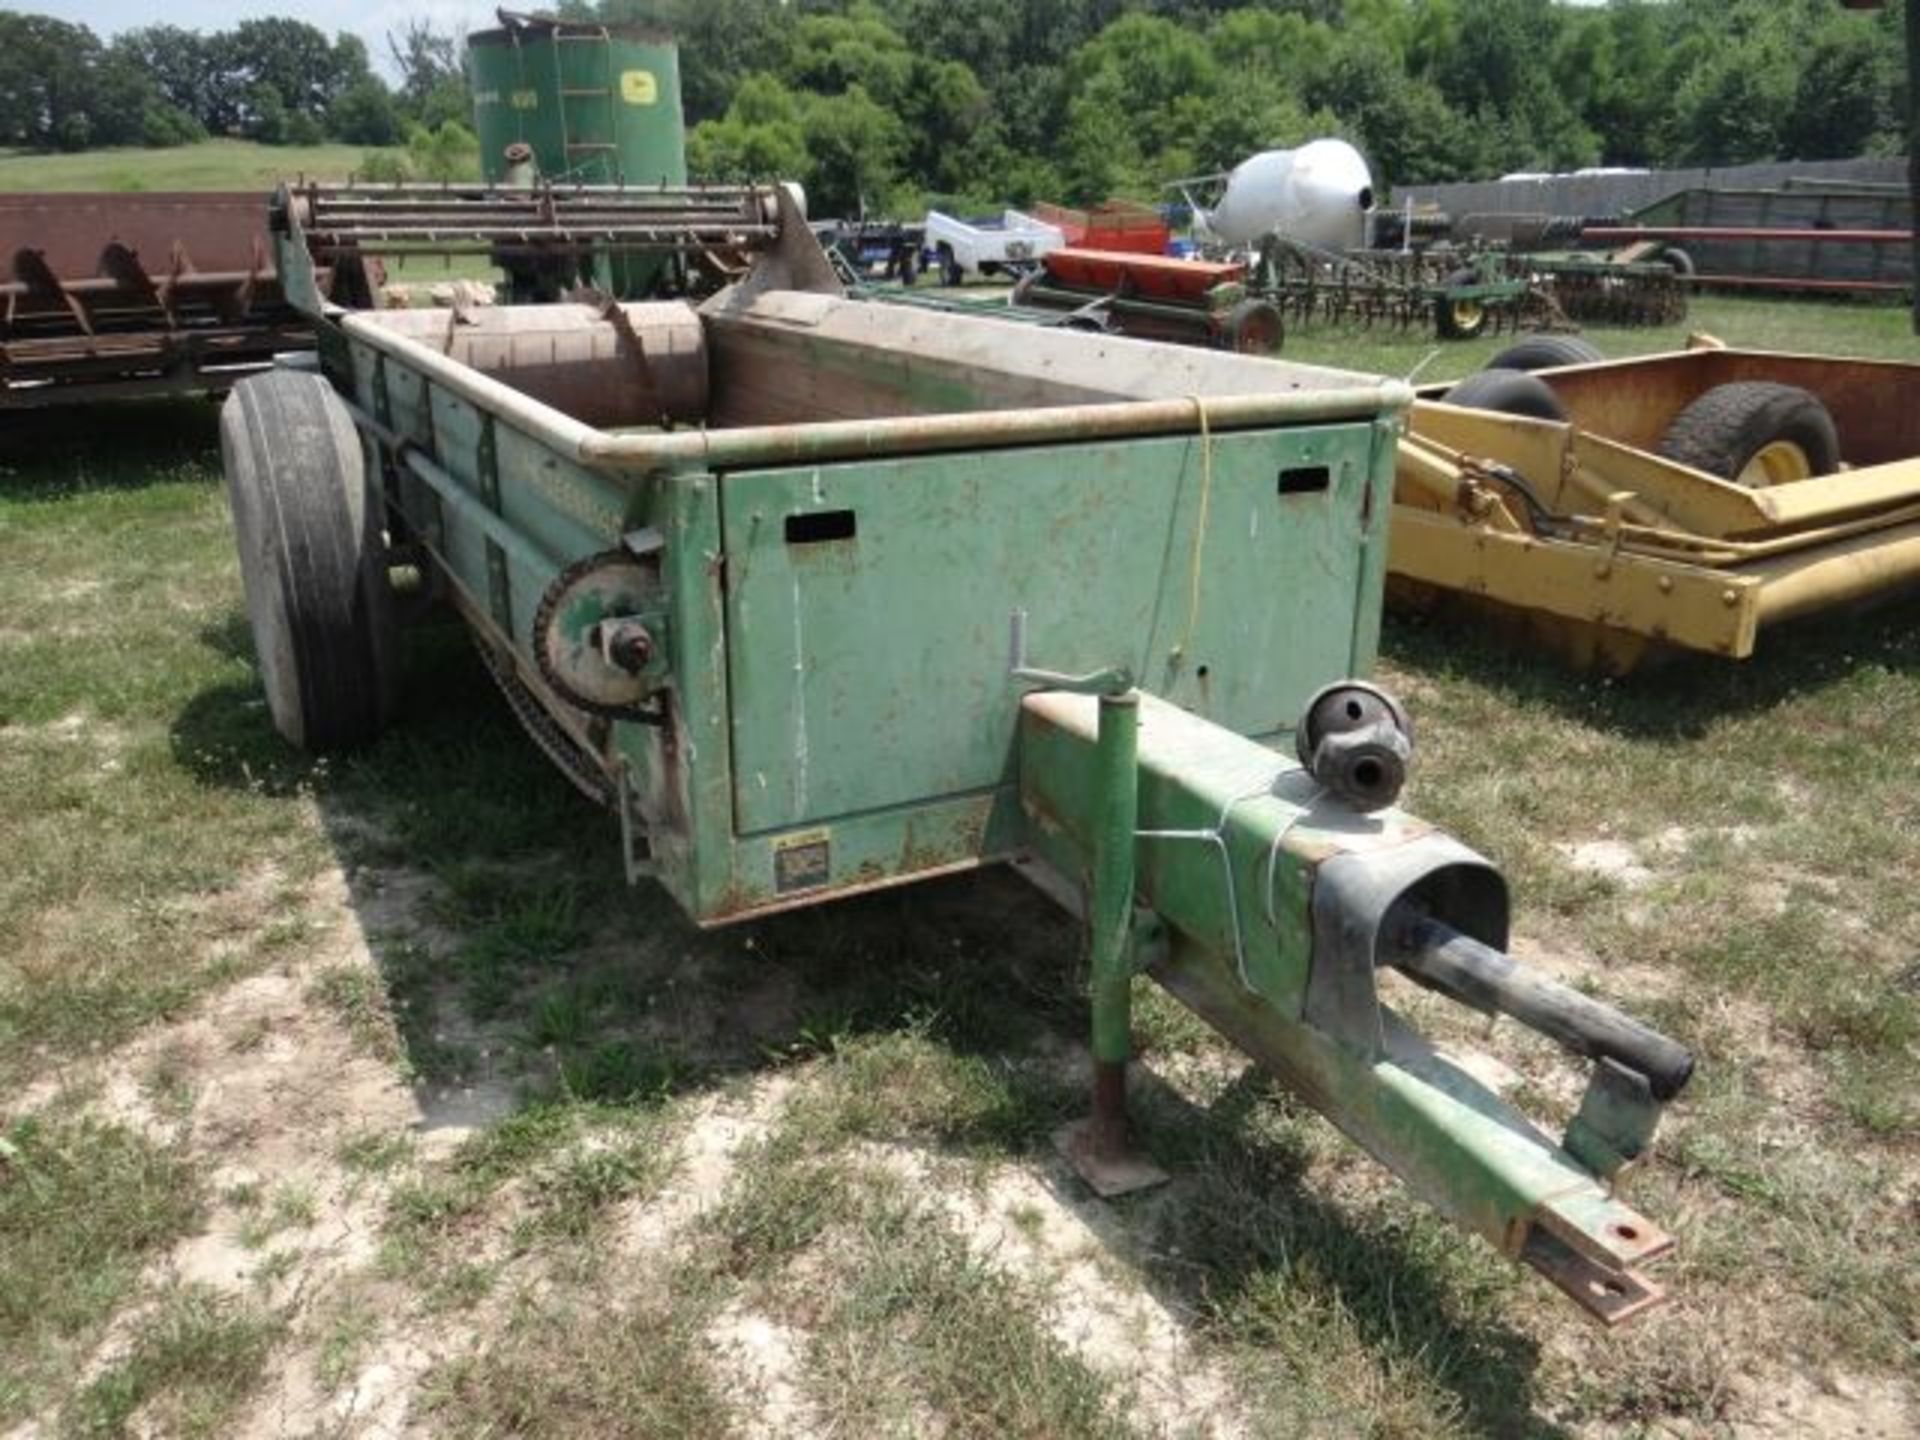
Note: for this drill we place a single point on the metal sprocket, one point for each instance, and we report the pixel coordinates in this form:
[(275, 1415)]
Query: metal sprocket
[(603, 586)]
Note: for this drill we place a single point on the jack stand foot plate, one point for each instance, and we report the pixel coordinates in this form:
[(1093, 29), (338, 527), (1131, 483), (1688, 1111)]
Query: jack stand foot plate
[(1114, 1173)]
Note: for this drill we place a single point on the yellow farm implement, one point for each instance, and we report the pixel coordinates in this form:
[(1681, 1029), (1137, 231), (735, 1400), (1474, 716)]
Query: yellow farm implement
[(1684, 500)]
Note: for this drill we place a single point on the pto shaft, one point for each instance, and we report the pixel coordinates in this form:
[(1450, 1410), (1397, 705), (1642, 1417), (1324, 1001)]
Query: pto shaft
[(1441, 958)]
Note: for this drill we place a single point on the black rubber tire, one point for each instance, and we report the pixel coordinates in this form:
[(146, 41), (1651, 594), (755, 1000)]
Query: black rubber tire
[(950, 272), (1725, 428), (1507, 392), (308, 518), (1453, 324), (1680, 260), (909, 269), (1254, 327), (1545, 352)]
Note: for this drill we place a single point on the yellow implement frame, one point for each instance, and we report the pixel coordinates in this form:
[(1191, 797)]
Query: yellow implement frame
[(1589, 539)]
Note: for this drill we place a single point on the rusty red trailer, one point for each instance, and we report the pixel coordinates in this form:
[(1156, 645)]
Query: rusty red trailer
[(128, 294)]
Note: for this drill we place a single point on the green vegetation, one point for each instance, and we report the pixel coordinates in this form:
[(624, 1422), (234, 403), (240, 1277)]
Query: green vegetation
[(879, 105), (211, 165), (194, 1360), (106, 665), (1802, 327), (276, 81), (83, 1206), (590, 1365)]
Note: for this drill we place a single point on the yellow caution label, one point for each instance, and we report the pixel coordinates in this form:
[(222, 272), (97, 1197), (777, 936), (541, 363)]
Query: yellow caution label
[(638, 87)]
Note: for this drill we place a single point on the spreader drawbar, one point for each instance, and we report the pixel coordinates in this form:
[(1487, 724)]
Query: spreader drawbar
[(1267, 905)]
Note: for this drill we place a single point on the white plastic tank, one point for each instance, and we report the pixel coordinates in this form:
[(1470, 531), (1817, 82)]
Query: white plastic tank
[(1319, 194)]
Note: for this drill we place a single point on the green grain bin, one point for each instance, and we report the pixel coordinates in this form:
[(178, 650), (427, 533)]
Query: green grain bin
[(599, 104)]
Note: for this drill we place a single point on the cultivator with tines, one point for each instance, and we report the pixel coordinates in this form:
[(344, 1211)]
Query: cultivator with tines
[(128, 294), (1460, 297), (1611, 292)]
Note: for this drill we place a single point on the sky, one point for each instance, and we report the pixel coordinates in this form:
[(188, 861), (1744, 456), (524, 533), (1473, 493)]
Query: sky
[(369, 19)]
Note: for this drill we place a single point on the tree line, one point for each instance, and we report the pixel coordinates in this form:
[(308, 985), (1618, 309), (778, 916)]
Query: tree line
[(882, 105), (885, 103), (278, 81)]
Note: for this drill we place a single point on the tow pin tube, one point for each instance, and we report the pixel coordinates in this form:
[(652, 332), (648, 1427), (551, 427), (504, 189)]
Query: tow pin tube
[(1439, 957)]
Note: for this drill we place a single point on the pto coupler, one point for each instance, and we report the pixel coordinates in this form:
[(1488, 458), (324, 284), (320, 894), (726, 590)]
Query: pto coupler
[(1277, 892)]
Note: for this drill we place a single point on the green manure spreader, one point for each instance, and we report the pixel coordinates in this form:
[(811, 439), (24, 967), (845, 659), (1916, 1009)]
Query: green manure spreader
[(819, 596)]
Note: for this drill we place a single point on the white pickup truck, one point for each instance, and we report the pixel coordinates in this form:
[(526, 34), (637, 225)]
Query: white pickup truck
[(988, 247)]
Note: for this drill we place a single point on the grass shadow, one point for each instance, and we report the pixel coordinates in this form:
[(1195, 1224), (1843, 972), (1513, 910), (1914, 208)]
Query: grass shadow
[(49, 455), (1677, 696)]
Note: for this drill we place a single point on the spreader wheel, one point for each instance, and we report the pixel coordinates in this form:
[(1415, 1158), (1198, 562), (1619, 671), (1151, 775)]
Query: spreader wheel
[(1254, 327), (308, 520), (1755, 433)]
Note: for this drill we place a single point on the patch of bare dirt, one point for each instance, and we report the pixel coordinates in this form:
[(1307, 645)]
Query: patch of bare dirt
[(1613, 860), (713, 1134), (764, 1355), (1095, 1308), (1834, 1406), (265, 1086)]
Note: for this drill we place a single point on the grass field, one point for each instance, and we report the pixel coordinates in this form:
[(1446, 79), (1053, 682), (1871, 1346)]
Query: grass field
[(347, 1096), (211, 165)]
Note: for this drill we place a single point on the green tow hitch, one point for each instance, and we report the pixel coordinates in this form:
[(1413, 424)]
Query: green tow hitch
[(1283, 890)]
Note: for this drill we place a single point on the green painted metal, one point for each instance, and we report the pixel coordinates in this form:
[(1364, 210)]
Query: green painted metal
[(869, 671), (600, 105), (841, 711), (1232, 843), (1116, 759)]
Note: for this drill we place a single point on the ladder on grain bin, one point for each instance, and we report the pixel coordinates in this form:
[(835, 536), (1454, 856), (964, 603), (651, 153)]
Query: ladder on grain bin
[(603, 148)]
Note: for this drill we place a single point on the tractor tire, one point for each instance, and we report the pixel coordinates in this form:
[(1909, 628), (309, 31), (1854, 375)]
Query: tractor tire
[(1254, 327), (308, 519), (950, 272), (1459, 319), (1681, 261), (1507, 392), (909, 269), (1755, 433), (1545, 352)]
